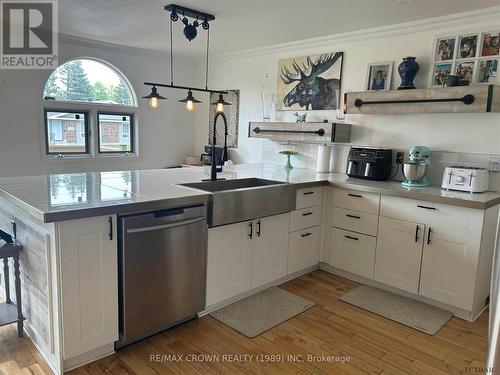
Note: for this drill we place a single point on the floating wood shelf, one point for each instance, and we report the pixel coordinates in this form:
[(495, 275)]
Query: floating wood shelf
[(309, 132), (459, 99)]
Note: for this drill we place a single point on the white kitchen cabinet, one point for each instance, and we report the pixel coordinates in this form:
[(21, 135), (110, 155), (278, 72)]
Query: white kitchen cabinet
[(229, 261), (454, 268), (309, 197), (352, 252), (270, 249), (89, 283), (246, 255), (304, 249), (399, 253)]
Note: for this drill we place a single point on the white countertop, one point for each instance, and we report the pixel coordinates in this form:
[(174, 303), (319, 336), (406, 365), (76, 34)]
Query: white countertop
[(58, 197)]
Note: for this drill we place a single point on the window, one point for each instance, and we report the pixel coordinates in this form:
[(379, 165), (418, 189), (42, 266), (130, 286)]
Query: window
[(115, 133), (87, 80), (90, 110), (66, 132)]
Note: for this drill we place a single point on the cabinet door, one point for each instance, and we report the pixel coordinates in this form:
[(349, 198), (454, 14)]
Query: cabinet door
[(229, 261), (448, 270), (352, 252), (399, 253), (304, 248), (270, 249), (89, 283)]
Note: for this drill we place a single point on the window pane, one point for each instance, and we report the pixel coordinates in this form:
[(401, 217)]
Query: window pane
[(86, 80), (115, 133), (66, 132)]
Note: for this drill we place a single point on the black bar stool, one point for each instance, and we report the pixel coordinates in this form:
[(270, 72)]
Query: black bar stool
[(10, 313)]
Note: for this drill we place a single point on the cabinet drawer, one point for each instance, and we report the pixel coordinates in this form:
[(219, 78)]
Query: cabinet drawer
[(309, 197), (356, 201), (355, 221), (353, 252), (446, 222), (305, 218), (304, 249)]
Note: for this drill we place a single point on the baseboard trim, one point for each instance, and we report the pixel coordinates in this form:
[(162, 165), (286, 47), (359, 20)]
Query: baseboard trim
[(85, 358), (460, 313), (282, 280)]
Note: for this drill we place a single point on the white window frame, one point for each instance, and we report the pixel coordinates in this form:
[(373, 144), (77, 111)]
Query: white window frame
[(92, 109)]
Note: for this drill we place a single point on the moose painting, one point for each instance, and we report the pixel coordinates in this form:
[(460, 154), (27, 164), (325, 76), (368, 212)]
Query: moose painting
[(309, 82)]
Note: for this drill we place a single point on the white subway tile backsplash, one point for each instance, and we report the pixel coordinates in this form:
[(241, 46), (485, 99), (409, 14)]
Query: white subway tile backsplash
[(338, 162)]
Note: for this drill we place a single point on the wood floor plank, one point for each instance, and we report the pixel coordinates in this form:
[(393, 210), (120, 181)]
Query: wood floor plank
[(375, 345)]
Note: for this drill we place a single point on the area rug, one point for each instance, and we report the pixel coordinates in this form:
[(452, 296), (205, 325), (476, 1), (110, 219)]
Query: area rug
[(259, 313), (411, 313)]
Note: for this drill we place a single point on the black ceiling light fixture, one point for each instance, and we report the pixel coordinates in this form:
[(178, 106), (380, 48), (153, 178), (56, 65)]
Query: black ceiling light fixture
[(190, 32), (154, 98)]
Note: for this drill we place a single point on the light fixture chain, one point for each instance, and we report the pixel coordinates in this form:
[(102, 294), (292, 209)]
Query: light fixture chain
[(171, 55), (208, 48)]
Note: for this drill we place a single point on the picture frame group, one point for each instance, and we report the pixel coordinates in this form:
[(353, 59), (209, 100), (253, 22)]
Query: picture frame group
[(472, 56)]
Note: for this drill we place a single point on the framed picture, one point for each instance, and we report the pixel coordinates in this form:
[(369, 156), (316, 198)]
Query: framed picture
[(490, 44), (309, 82), (379, 76), (440, 72), (445, 49), (487, 72), (465, 69), (467, 46)]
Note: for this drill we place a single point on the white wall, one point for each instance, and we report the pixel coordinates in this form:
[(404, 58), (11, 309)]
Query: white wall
[(165, 135), (255, 71)]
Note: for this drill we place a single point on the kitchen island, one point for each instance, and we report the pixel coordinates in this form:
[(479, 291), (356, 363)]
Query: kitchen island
[(68, 224)]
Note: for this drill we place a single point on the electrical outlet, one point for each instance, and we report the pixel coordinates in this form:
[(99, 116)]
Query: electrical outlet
[(494, 164), (399, 157)]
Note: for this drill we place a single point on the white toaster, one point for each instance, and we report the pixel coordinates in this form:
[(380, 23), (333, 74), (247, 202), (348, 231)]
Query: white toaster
[(471, 179)]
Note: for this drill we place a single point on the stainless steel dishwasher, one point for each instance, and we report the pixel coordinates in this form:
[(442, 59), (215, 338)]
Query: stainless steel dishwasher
[(162, 270)]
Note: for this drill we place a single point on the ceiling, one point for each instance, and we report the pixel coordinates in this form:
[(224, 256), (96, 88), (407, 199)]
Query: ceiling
[(243, 24)]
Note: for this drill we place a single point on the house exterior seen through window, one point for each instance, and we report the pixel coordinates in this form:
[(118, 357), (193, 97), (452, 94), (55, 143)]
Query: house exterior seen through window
[(90, 109)]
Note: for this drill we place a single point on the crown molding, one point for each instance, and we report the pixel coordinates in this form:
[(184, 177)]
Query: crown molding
[(465, 19)]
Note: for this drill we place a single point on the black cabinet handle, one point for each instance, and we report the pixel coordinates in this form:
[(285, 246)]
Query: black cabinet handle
[(110, 222), (306, 234), (351, 238), (426, 207), (355, 195), (309, 192), (416, 233), (307, 214), (250, 226), (429, 236), (258, 228), (353, 216)]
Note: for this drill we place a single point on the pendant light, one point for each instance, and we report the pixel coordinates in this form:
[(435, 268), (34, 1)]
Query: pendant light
[(220, 103), (154, 98), (190, 32), (190, 101)]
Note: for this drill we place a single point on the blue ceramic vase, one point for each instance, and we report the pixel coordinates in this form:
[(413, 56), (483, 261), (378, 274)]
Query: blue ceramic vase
[(408, 69)]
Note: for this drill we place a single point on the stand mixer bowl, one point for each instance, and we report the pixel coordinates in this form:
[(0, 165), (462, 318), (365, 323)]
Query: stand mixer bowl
[(414, 171)]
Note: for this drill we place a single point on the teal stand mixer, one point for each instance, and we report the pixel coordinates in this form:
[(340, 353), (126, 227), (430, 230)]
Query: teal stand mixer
[(415, 169)]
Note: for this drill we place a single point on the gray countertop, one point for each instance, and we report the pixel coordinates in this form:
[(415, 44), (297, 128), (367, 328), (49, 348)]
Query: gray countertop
[(58, 197)]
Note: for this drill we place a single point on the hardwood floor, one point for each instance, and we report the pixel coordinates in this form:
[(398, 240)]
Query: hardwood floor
[(373, 344)]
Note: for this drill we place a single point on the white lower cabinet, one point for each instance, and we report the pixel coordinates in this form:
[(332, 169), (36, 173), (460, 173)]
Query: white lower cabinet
[(399, 253), (229, 261), (89, 284), (270, 249), (246, 255), (352, 252), (304, 249), (449, 270)]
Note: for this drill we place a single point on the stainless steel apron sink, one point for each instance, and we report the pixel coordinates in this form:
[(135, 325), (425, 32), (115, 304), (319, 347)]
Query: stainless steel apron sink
[(245, 199)]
